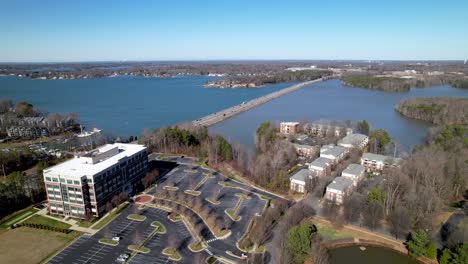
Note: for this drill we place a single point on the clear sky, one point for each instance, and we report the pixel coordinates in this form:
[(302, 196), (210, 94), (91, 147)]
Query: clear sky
[(63, 30)]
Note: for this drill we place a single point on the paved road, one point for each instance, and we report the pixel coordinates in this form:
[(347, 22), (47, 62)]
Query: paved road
[(217, 117)]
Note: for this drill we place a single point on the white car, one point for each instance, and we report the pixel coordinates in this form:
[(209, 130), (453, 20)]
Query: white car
[(116, 238)]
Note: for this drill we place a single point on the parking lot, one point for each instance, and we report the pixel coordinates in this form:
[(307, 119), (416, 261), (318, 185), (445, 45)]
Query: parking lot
[(88, 249)]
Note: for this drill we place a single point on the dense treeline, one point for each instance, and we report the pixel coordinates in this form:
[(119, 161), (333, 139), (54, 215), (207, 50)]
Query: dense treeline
[(21, 189), (437, 110), (256, 80), (18, 159), (411, 196), (267, 166), (388, 84), (462, 83)]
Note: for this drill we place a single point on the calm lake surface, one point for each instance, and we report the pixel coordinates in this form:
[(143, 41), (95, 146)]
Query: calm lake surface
[(330, 100), (126, 105), (372, 255)]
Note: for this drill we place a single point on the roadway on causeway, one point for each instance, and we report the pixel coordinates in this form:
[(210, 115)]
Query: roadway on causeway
[(217, 117)]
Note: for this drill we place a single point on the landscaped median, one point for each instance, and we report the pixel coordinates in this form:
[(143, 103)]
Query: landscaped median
[(191, 192), (108, 242), (212, 200), (138, 249), (196, 247), (172, 254), (232, 215), (136, 217), (170, 188), (160, 227)]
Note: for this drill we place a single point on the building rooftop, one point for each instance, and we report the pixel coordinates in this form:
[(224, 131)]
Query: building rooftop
[(321, 162), (352, 139), (335, 151), (95, 161), (354, 169), (303, 146), (380, 158), (290, 123), (340, 184), (301, 175)]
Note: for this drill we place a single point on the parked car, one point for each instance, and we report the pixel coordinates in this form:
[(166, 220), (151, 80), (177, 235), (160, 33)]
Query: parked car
[(116, 238)]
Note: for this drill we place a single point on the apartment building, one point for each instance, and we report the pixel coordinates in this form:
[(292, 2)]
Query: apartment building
[(359, 141), (289, 128), (376, 162), (82, 186)]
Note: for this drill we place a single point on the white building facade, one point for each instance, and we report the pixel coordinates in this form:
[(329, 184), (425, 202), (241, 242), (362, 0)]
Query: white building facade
[(82, 186)]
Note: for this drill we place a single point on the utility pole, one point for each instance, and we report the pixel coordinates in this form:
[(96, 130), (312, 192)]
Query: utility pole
[(3, 167)]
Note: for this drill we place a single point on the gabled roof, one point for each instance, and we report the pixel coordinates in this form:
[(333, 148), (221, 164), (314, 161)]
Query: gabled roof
[(340, 184), (301, 175), (353, 169)]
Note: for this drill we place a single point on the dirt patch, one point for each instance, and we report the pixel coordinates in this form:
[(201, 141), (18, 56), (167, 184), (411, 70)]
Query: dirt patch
[(26, 245)]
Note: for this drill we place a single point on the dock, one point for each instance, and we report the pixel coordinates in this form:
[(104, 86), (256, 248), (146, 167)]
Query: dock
[(222, 115)]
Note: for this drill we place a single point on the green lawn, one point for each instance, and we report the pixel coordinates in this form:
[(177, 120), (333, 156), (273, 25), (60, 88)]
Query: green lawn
[(109, 217), (171, 253), (230, 213), (17, 216), (84, 223), (196, 247), (191, 192), (139, 249), (42, 220), (161, 228), (136, 217)]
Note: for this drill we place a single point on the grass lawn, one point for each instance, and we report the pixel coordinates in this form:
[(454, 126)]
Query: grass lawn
[(172, 253), (110, 216), (29, 245), (161, 228), (108, 242), (191, 192), (42, 220), (212, 200), (84, 223), (196, 247), (139, 249), (171, 188), (15, 217), (211, 260), (230, 213), (331, 233), (174, 217), (136, 217)]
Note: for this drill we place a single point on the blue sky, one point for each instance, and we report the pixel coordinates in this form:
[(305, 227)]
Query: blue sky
[(49, 31)]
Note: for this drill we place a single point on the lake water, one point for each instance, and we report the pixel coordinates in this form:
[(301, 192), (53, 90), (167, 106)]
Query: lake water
[(330, 100), (127, 105), (371, 255)]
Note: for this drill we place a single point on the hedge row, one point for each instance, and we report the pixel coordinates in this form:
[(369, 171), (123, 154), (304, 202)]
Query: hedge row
[(44, 227)]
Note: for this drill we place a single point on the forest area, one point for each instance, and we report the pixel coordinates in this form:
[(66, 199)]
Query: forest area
[(267, 166), (437, 110)]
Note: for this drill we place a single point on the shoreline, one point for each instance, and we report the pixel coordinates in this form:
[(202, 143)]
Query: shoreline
[(232, 111)]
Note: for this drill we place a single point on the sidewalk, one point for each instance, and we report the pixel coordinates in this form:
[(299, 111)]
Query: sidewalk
[(72, 222)]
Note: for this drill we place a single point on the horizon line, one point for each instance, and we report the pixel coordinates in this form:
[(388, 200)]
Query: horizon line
[(234, 60)]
